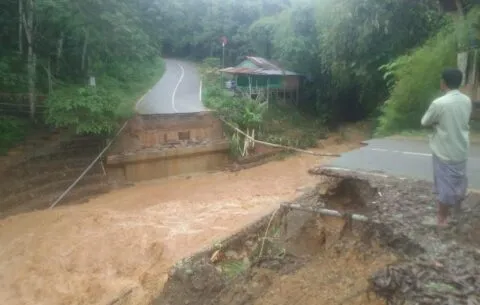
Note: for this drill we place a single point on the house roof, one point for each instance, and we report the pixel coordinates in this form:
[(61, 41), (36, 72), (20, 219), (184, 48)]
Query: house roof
[(450, 5), (264, 67)]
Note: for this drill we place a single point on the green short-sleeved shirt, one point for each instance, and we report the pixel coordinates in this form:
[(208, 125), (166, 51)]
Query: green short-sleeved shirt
[(449, 115)]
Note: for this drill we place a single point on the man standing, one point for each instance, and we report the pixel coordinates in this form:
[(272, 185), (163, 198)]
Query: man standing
[(449, 116)]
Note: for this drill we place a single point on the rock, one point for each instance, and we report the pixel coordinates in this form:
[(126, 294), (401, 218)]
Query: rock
[(230, 254), (429, 222), (323, 189), (249, 244), (206, 277)]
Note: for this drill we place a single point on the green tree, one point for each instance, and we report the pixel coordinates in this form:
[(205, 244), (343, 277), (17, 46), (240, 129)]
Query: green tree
[(49, 46)]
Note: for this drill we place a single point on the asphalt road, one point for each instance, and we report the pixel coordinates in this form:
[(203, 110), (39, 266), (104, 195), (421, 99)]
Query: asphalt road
[(403, 158), (178, 91)]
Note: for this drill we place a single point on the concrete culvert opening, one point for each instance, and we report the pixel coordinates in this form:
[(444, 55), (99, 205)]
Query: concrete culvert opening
[(293, 256)]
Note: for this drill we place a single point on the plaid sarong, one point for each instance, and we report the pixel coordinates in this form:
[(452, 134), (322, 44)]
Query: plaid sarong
[(450, 181)]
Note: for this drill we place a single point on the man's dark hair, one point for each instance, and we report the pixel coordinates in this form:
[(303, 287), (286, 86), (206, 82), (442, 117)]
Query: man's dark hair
[(452, 78)]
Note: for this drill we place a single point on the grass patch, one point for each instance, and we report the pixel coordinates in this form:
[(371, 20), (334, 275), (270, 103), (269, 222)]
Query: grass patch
[(423, 134), (12, 131), (233, 268), (286, 125)]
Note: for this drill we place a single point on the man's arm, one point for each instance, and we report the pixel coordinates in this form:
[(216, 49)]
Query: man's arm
[(431, 116)]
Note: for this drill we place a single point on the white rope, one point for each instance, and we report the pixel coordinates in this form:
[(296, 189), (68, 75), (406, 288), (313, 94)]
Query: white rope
[(278, 145), (97, 158), (88, 168)]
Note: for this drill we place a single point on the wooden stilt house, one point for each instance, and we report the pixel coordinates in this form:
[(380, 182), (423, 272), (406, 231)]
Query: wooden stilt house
[(258, 76)]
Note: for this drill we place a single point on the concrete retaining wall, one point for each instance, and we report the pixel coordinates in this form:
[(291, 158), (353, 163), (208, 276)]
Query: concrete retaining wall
[(147, 131), (148, 165), (163, 145)]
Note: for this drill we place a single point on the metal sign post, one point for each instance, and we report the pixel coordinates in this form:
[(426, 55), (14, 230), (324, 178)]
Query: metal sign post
[(224, 43)]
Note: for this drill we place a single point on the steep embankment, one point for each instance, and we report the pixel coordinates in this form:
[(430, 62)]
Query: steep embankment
[(36, 173)]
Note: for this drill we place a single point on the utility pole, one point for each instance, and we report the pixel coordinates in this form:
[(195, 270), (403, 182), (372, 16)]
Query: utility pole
[(224, 43), (223, 59)]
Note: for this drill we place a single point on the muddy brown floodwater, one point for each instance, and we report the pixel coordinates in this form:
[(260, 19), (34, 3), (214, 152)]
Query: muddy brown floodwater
[(125, 241)]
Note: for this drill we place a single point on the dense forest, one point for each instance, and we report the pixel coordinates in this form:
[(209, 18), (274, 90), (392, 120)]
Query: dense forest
[(355, 54)]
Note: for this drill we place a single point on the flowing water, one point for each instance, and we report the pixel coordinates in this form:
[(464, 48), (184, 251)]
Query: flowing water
[(125, 241)]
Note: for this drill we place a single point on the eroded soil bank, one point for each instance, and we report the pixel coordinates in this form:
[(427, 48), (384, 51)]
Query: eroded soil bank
[(305, 259), (298, 257)]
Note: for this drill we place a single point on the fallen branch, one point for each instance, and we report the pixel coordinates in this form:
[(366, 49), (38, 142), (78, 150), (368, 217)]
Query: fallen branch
[(278, 145), (260, 254)]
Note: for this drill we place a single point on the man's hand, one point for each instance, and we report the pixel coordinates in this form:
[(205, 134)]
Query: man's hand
[(430, 118)]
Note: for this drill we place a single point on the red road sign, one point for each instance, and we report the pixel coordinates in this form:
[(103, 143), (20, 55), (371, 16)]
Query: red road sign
[(224, 41)]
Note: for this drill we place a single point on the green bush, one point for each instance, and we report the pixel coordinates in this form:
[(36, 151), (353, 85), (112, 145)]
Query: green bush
[(415, 81), (245, 113), (276, 124), (98, 110), (12, 76), (286, 125), (210, 71), (12, 131), (212, 62), (87, 110)]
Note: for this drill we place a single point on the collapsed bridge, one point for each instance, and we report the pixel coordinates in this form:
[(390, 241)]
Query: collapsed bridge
[(161, 145)]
